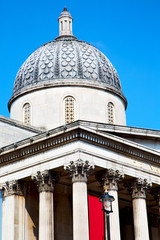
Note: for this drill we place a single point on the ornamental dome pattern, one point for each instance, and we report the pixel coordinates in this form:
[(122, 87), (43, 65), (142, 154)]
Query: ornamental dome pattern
[(66, 61)]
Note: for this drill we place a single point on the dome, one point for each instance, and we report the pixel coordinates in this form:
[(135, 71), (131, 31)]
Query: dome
[(66, 61), (67, 80), (65, 13)]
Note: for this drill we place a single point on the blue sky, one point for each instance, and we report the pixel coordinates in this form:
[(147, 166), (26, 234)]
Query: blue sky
[(127, 32)]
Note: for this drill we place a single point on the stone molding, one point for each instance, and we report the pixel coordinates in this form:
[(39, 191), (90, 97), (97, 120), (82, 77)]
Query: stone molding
[(109, 178), (51, 139), (45, 181), (13, 188), (79, 170), (139, 188)]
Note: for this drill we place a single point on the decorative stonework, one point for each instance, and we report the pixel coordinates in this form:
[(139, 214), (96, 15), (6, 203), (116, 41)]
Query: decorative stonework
[(12, 188), (139, 188), (9, 154), (67, 58), (45, 181), (109, 178), (79, 170)]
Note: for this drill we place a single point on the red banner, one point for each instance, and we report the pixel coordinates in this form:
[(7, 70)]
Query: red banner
[(96, 219)]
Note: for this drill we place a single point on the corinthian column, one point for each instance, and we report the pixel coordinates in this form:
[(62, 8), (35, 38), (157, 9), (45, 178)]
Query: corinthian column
[(139, 189), (13, 211), (109, 178), (79, 171), (45, 183)]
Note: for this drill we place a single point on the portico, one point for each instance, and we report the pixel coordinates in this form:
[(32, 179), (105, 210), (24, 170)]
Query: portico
[(85, 154)]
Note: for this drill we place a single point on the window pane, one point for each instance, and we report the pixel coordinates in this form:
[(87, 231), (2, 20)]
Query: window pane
[(110, 113), (69, 109), (27, 113)]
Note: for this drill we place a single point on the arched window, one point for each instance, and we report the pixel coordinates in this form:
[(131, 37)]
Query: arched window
[(110, 113), (27, 113), (69, 109)]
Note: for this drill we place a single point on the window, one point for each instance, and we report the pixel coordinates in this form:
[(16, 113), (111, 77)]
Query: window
[(27, 113), (70, 25), (110, 113), (65, 25), (69, 109)]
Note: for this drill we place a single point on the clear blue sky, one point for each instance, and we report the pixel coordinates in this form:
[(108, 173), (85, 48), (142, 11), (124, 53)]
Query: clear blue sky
[(127, 32)]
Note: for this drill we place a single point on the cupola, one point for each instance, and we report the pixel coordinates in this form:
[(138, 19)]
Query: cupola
[(65, 23)]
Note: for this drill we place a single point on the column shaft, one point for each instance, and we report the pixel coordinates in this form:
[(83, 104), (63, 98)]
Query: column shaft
[(13, 207), (79, 171), (45, 182), (140, 219), (46, 222), (114, 217), (80, 211), (109, 179), (139, 189)]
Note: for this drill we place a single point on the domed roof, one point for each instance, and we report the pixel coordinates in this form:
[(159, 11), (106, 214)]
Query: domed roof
[(65, 13), (66, 61)]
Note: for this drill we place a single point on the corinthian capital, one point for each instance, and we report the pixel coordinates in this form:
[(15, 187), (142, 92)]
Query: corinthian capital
[(45, 181), (79, 170), (12, 188), (139, 188), (109, 178)]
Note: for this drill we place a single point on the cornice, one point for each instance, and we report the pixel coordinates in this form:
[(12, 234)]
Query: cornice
[(122, 130), (74, 132), (18, 124)]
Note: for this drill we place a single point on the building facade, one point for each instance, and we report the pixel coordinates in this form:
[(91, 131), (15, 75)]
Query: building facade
[(66, 141)]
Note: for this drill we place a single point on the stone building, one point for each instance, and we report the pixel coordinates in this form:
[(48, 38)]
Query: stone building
[(65, 140)]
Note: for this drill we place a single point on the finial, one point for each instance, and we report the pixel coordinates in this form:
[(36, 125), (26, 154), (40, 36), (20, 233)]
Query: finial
[(65, 23), (105, 188)]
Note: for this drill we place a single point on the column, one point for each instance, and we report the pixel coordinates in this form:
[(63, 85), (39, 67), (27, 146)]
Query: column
[(139, 189), (79, 171), (110, 178), (45, 182), (13, 211)]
